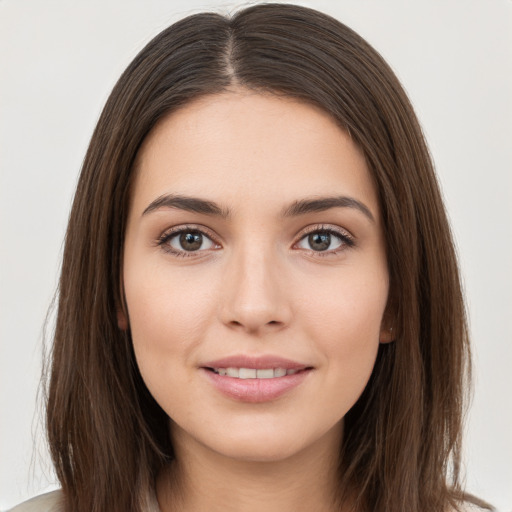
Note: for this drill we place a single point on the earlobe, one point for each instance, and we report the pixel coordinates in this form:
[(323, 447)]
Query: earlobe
[(389, 319), (122, 321), (387, 335), (121, 313)]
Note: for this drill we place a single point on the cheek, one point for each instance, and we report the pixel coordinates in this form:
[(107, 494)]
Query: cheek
[(167, 315), (351, 304), (344, 319)]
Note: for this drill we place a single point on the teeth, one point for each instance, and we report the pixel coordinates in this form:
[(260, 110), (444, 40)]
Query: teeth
[(265, 374), (247, 373), (253, 373), (232, 372)]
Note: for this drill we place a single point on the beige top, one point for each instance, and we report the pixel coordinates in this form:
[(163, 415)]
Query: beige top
[(52, 502), (49, 502)]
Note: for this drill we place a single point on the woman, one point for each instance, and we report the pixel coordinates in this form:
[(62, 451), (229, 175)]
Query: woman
[(259, 304)]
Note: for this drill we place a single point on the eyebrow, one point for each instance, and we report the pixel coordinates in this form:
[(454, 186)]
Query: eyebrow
[(321, 204), (300, 207), (189, 204)]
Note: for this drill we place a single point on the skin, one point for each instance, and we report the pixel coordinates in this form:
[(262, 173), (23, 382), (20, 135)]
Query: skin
[(257, 288)]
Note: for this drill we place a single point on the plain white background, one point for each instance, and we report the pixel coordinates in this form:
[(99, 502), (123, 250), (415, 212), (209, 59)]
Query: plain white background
[(58, 62)]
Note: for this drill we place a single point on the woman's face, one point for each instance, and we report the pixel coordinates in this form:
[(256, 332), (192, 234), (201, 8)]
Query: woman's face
[(255, 274)]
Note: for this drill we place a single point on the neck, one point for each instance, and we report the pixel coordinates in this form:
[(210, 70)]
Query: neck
[(200, 479)]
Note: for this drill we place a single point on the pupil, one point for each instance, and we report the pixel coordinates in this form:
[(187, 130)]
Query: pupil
[(191, 241), (319, 241)]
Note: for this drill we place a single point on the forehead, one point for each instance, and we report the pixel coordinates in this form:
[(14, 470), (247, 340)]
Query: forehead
[(242, 148)]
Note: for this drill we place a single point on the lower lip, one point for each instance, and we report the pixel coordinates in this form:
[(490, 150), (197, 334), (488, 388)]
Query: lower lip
[(256, 390)]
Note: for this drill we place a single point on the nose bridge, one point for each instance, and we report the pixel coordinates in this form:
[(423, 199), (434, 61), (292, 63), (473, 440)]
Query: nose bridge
[(254, 298)]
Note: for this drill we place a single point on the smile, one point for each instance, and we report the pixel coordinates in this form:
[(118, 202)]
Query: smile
[(254, 373), (245, 378)]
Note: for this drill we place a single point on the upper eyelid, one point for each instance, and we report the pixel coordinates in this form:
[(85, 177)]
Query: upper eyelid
[(169, 233), (331, 228), (211, 234)]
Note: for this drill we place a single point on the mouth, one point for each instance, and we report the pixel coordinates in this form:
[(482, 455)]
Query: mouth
[(256, 379), (256, 373)]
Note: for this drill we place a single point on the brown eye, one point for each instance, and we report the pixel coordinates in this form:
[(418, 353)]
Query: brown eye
[(189, 241), (324, 240), (319, 241)]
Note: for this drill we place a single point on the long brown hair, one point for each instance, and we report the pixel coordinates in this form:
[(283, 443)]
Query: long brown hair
[(401, 446)]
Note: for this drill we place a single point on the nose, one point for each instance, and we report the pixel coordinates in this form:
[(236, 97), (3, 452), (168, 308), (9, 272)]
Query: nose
[(254, 299)]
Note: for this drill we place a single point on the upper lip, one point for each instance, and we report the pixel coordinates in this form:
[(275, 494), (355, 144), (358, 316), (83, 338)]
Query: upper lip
[(257, 362)]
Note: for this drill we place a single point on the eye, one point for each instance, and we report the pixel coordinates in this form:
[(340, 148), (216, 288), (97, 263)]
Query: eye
[(325, 240), (186, 240)]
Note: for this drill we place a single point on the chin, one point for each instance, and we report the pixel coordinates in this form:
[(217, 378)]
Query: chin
[(275, 450), (271, 443)]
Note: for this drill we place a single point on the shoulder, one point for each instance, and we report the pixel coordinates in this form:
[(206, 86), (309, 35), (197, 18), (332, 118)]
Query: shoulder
[(49, 502), (467, 506), (54, 502)]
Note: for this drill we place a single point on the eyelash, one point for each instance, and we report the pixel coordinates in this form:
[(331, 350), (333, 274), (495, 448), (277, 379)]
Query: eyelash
[(347, 240)]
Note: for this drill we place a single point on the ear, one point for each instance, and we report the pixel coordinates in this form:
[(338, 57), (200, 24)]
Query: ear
[(386, 335), (387, 326), (121, 312), (122, 320)]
